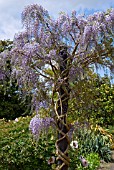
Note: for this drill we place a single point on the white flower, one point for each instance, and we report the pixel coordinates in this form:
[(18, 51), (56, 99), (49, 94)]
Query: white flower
[(74, 144), (51, 160), (16, 120)]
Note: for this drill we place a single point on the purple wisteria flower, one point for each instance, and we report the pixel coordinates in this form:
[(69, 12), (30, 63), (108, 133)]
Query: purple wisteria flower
[(38, 124), (47, 122), (87, 33), (2, 75)]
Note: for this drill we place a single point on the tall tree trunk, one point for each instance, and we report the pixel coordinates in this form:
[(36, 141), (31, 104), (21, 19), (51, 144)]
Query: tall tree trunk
[(62, 143)]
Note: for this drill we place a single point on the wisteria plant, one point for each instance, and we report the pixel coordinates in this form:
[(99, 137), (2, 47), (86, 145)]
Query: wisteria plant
[(50, 55)]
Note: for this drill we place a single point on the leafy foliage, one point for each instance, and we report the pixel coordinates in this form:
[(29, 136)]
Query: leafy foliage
[(12, 104), (19, 151), (93, 141), (105, 102), (94, 100), (93, 161), (5, 44)]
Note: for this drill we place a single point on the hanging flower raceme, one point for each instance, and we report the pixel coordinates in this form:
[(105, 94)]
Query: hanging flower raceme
[(38, 124)]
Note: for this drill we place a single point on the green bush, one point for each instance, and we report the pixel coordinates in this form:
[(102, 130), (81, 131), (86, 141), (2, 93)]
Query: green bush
[(11, 104), (93, 162), (91, 141), (92, 145), (20, 151)]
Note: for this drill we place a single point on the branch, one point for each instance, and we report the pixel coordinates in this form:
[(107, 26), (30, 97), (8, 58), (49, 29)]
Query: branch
[(89, 60), (54, 69), (43, 75), (75, 48), (72, 37)]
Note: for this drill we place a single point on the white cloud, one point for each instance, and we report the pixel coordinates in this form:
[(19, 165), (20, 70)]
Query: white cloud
[(9, 27), (10, 11)]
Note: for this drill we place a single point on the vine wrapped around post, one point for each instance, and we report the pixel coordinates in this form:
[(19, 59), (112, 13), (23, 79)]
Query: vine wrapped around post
[(61, 109)]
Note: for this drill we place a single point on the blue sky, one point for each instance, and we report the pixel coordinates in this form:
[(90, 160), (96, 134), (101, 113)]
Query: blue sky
[(10, 11)]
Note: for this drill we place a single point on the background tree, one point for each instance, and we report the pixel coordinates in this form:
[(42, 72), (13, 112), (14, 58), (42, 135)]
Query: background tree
[(12, 104), (93, 98), (82, 103), (104, 102), (65, 46)]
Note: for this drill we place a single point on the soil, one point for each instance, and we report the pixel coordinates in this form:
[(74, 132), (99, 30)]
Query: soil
[(107, 166)]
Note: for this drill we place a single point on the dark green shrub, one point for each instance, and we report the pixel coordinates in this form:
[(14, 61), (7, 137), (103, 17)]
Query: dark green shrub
[(19, 151), (11, 104)]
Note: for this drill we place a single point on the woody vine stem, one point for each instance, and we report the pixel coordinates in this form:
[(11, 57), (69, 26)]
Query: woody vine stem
[(61, 109)]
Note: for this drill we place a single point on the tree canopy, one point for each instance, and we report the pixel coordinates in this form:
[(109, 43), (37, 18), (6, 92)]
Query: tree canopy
[(35, 53)]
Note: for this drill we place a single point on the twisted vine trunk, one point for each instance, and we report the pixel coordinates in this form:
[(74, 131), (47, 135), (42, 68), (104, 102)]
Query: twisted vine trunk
[(62, 143)]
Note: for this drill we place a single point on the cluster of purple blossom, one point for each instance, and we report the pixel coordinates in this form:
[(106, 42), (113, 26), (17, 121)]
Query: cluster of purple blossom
[(72, 28), (38, 124), (2, 75)]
